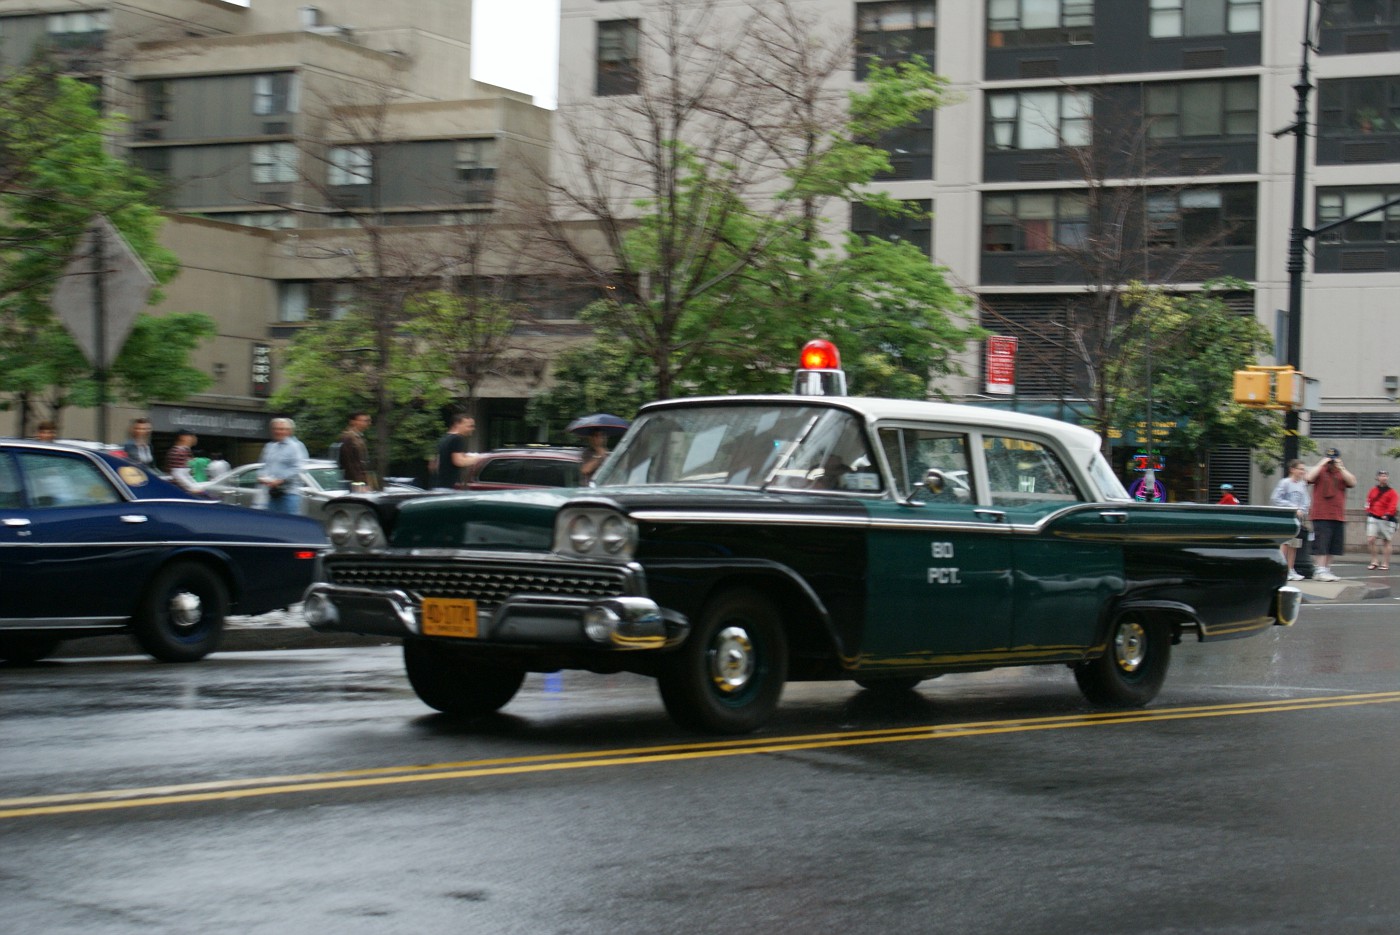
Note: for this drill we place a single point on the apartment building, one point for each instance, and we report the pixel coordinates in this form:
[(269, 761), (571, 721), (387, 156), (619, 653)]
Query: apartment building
[(1178, 104), (283, 133)]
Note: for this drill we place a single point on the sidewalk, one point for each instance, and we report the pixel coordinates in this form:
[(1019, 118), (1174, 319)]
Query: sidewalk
[(285, 629)]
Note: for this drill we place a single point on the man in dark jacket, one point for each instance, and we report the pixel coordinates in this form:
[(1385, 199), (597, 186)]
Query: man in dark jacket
[(353, 455)]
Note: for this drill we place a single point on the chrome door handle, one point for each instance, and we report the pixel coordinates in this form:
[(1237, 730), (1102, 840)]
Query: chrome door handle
[(15, 521), (1114, 516), (134, 518), (996, 516)]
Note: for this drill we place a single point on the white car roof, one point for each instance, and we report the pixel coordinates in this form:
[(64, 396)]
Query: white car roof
[(1074, 437)]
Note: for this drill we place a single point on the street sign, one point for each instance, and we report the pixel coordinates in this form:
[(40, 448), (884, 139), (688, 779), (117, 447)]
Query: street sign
[(1001, 365), (100, 314)]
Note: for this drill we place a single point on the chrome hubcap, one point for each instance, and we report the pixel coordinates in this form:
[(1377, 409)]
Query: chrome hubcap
[(1130, 646), (731, 660), (185, 609)]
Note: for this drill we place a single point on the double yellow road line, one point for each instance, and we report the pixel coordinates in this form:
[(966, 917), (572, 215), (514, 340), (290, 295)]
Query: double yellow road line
[(233, 789)]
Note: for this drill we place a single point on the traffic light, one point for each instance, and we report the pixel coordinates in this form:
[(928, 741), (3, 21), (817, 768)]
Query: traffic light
[(1269, 387)]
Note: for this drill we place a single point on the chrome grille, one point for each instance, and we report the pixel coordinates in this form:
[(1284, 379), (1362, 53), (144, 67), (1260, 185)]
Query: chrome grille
[(489, 584)]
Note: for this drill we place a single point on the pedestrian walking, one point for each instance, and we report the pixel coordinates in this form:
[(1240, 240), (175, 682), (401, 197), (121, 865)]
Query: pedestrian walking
[(138, 442), (177, 460), (1293, 492), (282, 461), (218, 467), (1381, 501), (1227, 495), (452, 454), (1330, 481), (352, 455), (45, 431)]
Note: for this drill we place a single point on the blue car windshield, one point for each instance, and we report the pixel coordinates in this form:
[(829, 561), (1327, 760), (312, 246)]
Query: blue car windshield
[(801, 447)]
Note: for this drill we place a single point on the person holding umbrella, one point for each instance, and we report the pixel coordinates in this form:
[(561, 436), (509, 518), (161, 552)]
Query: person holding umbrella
[(596, 428)]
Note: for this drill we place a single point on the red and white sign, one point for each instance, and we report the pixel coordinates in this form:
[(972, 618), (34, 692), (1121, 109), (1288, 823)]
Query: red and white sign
[(1001, 365)]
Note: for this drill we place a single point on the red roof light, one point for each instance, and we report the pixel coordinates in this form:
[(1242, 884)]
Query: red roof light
[(820, 355)]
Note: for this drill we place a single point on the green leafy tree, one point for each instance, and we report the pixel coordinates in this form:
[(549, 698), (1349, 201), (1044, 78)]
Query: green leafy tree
[(710, 189), (333, 369), (600, 376), (1184, 350), (55, 176)]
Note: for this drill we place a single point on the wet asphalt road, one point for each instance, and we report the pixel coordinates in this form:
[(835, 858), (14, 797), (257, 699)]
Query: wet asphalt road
[(309, 791)]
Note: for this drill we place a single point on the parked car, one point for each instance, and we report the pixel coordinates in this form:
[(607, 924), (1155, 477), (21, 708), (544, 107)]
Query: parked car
[(528, 466), (91, 544), (731, 544), (321, 482)]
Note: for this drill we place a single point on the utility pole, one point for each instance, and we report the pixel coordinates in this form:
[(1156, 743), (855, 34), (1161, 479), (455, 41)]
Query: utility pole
[(1298, 234)]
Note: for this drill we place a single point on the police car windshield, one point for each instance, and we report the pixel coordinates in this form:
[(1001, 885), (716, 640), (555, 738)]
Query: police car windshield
[(798, 446)]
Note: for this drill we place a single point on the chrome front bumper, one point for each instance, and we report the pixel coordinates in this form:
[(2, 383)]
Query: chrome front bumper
[(1288, 601), (617, 623)]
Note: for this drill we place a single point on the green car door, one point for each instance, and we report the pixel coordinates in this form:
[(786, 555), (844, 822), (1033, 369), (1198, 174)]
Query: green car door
[(939, 587), (1068, 561)]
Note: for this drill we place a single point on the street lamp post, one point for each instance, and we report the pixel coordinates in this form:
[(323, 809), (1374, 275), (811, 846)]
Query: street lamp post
[(1298, 234)]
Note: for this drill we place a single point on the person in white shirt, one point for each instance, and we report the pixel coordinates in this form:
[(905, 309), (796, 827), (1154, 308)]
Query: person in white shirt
[(1293, 492)]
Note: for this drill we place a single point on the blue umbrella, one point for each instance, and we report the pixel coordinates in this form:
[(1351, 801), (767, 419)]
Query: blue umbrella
[(599, 422)]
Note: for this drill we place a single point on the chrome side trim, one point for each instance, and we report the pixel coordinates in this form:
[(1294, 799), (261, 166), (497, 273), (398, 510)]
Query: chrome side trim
[(62, 623)]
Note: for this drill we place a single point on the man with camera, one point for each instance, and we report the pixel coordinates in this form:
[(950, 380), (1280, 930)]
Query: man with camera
[(1330, 480)]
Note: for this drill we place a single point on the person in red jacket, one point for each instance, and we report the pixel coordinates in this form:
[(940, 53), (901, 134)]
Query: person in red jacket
[(1227, 495), (1380, 520)]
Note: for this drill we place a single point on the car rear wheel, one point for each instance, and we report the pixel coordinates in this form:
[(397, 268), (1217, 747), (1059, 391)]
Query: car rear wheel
[(455, 686), (181, 617), (26, 648), (1130, 672), (728, 675)]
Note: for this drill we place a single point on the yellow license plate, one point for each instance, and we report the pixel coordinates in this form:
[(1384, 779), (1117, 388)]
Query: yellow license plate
[(449, 616)]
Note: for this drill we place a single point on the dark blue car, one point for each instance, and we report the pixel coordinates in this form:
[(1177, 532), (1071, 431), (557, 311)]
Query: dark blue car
[(91, 544)]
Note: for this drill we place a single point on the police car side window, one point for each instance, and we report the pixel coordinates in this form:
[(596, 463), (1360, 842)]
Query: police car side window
[(913, 453), (61, 480), (1027, 475)]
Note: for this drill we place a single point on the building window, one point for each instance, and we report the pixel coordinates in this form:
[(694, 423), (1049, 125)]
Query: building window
[(894, 31), (314, 301), (275, 93), (274, 163), (618, 57), (1173, 18), (350, 165), (1337, 13), (1196, 109), (476, 160), (1034, 222), (910, 149), (155, 100), (293, 301), (1039, 22), (1198, 217), (1039, 119), (1358, 106), (916, 229), (78, 30), (1379, 228)]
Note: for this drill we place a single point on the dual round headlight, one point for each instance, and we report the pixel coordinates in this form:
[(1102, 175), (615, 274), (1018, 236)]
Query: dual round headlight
[(598, 533), (350, 528)]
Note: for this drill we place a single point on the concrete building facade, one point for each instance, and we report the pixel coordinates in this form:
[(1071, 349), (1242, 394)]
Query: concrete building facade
[(1187, 96)]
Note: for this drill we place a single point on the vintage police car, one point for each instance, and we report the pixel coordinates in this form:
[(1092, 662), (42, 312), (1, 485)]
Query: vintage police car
[(94, 544), (733, 543)]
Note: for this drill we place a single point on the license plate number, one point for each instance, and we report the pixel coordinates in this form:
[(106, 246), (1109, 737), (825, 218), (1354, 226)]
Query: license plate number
[(449, 616)]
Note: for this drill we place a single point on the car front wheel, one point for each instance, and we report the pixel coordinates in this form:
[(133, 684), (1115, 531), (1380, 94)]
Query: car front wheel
[(181, 617), (729, 674), (456, 686), (1130, 672)]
